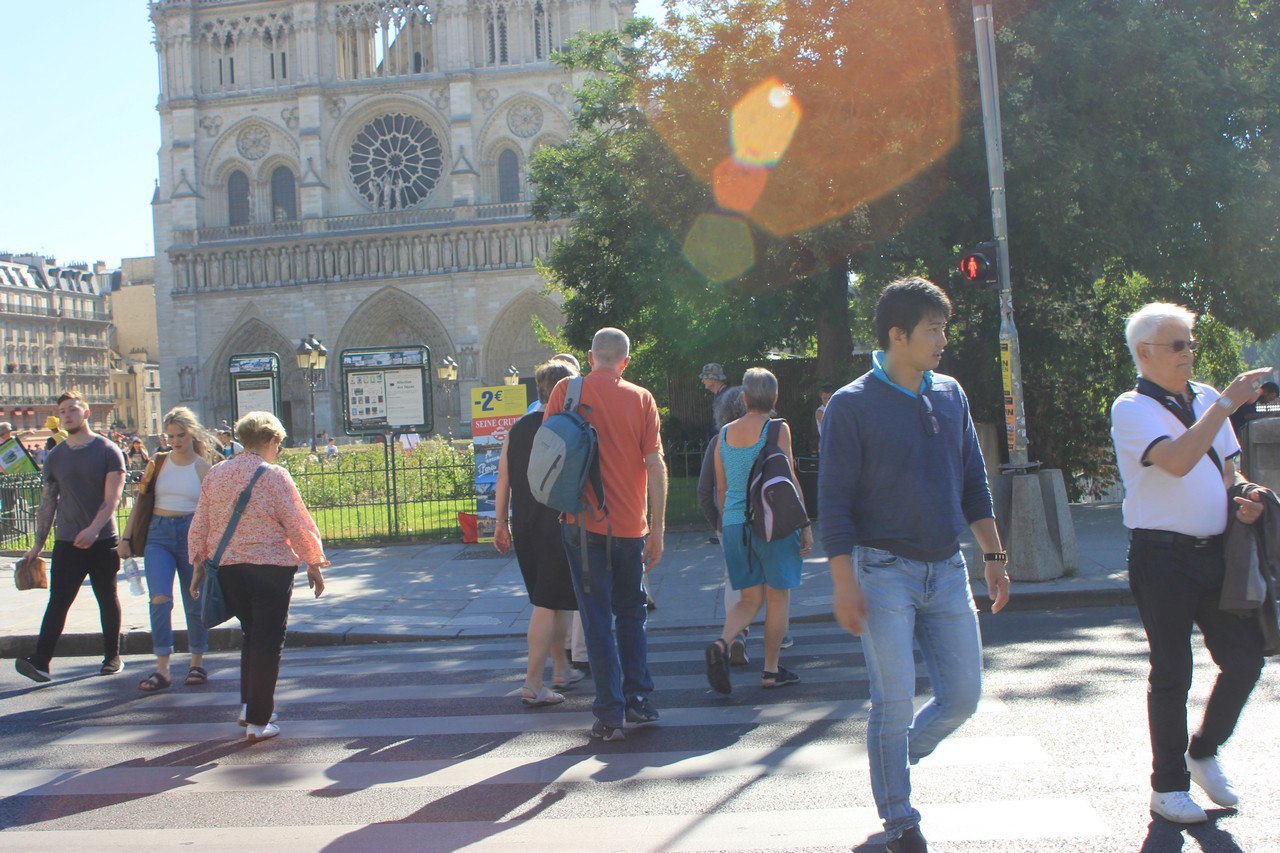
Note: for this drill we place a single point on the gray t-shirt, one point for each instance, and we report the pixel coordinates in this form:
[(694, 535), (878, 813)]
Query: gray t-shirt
[(80, 474)]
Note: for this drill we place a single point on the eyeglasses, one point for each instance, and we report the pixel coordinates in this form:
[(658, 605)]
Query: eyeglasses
[(1177, 346), (927, 418)]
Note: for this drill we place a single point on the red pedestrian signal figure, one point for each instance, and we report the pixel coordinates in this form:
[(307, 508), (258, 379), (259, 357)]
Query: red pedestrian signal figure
[(978, 265)]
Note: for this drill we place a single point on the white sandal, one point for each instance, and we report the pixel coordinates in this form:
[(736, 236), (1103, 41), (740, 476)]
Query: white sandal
[(541, 698)]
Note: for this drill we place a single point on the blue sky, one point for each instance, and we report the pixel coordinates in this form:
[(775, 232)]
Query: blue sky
[(78, 151)]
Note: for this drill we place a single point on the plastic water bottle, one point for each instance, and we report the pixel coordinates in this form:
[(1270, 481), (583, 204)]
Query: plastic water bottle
[(133, 574)]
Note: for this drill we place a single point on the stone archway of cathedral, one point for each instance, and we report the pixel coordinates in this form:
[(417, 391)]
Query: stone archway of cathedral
[(392, 317), (512, 340), (254, 335)]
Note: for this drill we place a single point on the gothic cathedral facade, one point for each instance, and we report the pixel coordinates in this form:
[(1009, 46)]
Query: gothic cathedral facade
[(356, 170)]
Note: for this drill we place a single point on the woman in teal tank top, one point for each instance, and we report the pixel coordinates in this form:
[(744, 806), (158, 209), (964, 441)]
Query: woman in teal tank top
[(763, 572)]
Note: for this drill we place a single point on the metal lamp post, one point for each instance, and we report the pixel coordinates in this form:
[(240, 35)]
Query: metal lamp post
[(312, 357), (447, 373)]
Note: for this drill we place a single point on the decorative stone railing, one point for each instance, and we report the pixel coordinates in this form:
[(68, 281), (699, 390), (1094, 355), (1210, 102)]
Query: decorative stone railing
[(324, 258), (357, 222)]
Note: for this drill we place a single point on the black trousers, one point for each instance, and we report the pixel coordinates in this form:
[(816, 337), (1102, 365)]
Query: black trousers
[(71, 565), (259, 597), (1175, 588)]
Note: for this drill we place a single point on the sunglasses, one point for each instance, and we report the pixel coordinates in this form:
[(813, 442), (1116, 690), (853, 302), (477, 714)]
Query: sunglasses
[(927, 418), (1177, 346)]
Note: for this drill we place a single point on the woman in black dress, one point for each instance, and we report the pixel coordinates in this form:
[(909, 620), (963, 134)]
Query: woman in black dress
[(535, 531)]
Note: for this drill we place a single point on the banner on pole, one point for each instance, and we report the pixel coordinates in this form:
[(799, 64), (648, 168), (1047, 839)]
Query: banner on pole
[(493, 411)]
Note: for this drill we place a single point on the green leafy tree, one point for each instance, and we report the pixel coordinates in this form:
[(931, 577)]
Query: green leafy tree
[(1140, 146)]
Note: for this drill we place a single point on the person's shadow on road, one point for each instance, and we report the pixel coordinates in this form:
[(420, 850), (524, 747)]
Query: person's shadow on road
[(1164, 836)]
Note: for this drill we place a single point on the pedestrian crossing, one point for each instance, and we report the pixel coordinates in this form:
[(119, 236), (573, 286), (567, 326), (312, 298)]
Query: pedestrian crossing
[(418, 747)]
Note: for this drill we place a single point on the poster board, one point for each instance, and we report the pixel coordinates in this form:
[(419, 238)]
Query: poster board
[(14, 458), (255, 383), (493, 411), (386, 389)]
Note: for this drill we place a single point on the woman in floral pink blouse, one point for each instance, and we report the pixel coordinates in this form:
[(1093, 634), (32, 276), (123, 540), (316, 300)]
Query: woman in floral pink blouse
[(274, 535)]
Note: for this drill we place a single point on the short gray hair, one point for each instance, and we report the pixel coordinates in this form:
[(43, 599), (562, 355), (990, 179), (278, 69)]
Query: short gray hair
[(611, 347), (761, 389), (1144, 322)]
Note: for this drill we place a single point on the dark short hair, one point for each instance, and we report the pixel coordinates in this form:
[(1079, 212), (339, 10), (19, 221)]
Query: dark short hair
[(72, 394), (548, 374), (1271, 386), (904, 303), (829, 388)]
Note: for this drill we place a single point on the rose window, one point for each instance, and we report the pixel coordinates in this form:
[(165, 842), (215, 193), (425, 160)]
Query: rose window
[(395, 161)]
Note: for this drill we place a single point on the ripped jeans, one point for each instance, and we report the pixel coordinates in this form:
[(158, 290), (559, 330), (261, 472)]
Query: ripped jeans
[(166, 558)]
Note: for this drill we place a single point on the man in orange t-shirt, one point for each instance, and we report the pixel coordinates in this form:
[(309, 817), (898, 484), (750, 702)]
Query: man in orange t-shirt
[(634, 472)]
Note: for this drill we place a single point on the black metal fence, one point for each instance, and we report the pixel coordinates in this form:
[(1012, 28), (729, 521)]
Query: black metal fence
[(367, 493)]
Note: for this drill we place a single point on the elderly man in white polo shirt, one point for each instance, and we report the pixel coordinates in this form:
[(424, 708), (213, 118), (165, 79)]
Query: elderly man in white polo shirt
[(1177, 454)]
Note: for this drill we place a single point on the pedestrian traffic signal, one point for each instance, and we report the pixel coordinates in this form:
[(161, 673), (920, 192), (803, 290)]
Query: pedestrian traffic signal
[(980, 265)]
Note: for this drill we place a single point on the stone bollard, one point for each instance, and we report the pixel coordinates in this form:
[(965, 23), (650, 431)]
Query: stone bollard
[(1034, 519), (1261, 460)]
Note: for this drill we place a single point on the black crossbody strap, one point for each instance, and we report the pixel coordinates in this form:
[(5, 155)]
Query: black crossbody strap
[(236, 513), (1185, 417)]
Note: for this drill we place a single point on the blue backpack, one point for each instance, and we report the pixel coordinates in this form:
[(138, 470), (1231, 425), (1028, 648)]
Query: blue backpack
[(566, 458)]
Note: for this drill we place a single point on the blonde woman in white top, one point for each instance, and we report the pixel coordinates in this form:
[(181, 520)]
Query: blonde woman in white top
[(176, 477)]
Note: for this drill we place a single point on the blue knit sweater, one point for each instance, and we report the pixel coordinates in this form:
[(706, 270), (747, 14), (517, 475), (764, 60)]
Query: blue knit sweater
[(884, 482)]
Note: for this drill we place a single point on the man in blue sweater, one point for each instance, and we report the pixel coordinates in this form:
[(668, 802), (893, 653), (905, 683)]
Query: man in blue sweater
[(901, 475)]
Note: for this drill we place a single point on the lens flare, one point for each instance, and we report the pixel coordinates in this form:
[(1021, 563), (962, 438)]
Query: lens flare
[(763, 122), (850, 111), (738, 186), (720, 247)]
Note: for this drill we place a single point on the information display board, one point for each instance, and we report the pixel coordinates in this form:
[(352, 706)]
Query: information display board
[(386, 389), (14, 458), (493, 411), (255, 383)]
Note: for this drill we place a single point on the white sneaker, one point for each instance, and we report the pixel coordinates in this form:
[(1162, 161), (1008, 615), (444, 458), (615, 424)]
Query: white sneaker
[(1178, 807), (254, 733), (1207, 773)]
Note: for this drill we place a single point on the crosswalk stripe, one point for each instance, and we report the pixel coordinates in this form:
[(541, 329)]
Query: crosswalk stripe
[(1060, 818), (497, 687), (380, 666), (847, 758), (546, 721)]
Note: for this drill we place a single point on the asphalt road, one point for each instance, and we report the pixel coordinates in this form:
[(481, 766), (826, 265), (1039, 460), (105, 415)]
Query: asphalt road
[(417, 747)]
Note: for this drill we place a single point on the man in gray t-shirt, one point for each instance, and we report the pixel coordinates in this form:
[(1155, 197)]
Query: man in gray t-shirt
[(83, 479)]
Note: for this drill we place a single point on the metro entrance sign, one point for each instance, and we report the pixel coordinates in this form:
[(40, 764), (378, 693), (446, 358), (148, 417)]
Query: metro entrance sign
[(255, 383)]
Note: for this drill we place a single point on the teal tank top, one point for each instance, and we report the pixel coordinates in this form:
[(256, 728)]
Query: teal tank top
[(737, 468)]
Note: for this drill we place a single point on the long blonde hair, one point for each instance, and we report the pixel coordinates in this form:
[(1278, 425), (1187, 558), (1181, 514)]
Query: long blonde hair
[(201, 441)]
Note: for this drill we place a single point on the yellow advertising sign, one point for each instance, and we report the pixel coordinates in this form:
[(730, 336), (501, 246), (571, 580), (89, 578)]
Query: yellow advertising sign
[(493, 411)]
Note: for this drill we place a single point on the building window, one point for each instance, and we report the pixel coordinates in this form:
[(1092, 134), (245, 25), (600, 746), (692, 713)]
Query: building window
[(238, 198), (542, 37), (284, 195), (495, 31), (508, 176)]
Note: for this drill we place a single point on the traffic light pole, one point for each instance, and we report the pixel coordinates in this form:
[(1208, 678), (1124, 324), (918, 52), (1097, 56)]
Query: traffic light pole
[(1015, 418)]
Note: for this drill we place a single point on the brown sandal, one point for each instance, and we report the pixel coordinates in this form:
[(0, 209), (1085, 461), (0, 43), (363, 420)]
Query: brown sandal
[(196, 675), (155, 682), (717, 655)]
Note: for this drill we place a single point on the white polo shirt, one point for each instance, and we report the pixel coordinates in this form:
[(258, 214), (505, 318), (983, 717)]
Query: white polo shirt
[(1196, 504)]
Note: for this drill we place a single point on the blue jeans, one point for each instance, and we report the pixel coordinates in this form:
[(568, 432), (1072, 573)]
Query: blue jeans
[(931, 604), (616, 603), (165, 557)]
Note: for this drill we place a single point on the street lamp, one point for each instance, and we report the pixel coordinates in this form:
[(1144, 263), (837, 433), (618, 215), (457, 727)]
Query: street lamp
[(447, 373), (512, 376), (312, 357)]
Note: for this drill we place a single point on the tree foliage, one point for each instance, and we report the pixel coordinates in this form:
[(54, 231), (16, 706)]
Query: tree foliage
[(1140, 140)]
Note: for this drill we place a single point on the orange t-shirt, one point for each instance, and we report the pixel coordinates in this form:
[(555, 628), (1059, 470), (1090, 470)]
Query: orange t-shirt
[(626, 420)]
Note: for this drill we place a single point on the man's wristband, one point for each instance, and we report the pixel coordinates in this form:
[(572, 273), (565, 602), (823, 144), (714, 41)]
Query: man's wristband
[(995, 557)]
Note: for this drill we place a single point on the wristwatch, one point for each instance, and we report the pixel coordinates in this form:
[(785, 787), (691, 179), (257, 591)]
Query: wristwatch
[(995, 557)]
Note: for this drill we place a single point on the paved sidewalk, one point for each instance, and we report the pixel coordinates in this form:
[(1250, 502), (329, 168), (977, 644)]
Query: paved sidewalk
[(433, 591)]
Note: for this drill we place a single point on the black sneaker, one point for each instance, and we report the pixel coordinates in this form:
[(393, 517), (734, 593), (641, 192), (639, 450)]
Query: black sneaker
[(111, 665), (27, 667), (604, 731), (581, 666), (641, 711), (910, 841)]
